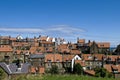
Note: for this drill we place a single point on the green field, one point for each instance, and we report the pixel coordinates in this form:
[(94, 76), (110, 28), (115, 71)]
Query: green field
[(61, 77)]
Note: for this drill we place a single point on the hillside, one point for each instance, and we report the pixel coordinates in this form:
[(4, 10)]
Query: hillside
[(61, 77)]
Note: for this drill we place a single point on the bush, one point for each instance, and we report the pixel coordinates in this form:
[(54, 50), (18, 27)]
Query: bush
[(102, 72), (77, 69), (2, 74), (54, 69), (68, 69), (109, 75)]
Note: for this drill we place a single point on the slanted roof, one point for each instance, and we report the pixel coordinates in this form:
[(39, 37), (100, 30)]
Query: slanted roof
[(90, 72), (6, 48), (75, 51), (112, 57), (82, 63), (13, 69), (53, 57), (34, 56), (5, 67), (108, 67), (67, 57)]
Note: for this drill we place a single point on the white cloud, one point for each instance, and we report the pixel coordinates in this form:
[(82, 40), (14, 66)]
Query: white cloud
[(70, 33), (58, 30), (21, 30)]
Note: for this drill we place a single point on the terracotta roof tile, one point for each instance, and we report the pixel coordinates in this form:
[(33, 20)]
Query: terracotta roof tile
[(75, 52), (82, 41), (32, 70), (103, 44), (114, 67), (65, 50), (5, 37), (53, 57), (113, 57), (67, 57), (90, 72), (13, 39), (43, 38), (82, 63), (41, 70), (99, 56), (87, 56), (108, 67), (6, 48)]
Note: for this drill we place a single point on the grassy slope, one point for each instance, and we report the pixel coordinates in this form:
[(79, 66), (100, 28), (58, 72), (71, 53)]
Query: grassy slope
[(62, 77)]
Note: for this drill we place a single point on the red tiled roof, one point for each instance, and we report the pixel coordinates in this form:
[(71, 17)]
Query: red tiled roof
[(32, 70), (43, 38), (87, 56), (67, 57), (114, 67), (6, 48), (5, 37), (41, 70), (108, 67), (91, 57), (53, 57), (82, 41), (65, 50), (90, 72), (75, 52), (99, 56), (13, 39), (82, 63), (113, 57)]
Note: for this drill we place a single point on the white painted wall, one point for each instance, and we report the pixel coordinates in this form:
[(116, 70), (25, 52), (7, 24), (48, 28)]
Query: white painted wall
[(73, 60)]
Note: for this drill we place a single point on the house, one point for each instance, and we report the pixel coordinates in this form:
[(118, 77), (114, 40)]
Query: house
[(75, 52), (53, 59), (114, 69), (4, 40), (13, 69), (63, 48), (93, 60), (76, 57), (81, 42), (113, 59), (37, 63), (67, 60), (82, 63), (89, 72), (5, 52)]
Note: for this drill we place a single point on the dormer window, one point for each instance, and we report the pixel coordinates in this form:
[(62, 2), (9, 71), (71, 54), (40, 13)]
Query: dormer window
[(95, 58), (115, 70), (89, 57), (57, 60), (49, 60)]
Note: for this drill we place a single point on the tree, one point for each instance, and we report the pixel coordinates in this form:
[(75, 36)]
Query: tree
[(102, 72), (118, 49), (94, 48), (54, 69), (77, 69), (2, 74)]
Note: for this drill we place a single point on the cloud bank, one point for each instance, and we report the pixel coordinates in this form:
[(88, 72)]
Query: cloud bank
[(55, 30)]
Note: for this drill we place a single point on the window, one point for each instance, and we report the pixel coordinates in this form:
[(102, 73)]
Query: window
[(57, 60), (76, 58), (49, 63)]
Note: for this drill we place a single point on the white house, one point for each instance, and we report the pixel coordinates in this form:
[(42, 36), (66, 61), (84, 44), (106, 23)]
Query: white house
[(73, 60)]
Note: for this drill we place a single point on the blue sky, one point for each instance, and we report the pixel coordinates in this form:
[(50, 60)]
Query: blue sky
[(90, 19)]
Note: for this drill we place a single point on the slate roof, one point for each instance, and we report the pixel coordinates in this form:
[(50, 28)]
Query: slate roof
[(13, 69), (37, 56)]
